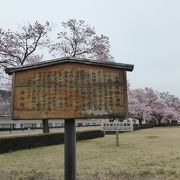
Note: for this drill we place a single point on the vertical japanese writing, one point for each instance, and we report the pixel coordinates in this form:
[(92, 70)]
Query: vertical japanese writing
[(22, 98), (76, 90)]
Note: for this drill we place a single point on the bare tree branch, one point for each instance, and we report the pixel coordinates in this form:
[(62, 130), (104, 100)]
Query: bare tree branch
[(18, 48), (80, 40)]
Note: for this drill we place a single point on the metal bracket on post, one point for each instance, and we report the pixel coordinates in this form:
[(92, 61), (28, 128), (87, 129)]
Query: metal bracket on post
[(70, 149)]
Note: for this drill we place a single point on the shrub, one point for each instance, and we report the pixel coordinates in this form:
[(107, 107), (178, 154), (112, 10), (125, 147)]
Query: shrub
[(14, 143)]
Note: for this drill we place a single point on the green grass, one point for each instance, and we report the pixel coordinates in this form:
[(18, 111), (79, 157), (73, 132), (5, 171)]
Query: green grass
[(149, 154)]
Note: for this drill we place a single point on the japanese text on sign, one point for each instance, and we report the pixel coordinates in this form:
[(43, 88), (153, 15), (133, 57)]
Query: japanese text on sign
[(69, 91), (117, 126)]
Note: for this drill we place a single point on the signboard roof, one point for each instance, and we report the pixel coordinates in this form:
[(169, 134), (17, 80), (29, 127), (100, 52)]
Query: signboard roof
[(127, 67)]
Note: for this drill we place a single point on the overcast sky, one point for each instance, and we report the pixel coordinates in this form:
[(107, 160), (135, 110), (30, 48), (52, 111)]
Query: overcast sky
[(145, 33)]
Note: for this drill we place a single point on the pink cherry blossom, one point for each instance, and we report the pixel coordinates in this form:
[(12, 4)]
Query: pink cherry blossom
[(80, 40)]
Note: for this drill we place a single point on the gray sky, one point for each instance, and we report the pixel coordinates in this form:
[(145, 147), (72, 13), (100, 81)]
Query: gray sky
[(145, 33)]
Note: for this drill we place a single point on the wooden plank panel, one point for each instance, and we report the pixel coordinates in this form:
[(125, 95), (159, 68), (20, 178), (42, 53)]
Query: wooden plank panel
[(69, 91)]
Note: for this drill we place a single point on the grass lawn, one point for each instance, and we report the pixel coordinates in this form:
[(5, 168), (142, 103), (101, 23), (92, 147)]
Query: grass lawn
[(142, 155)]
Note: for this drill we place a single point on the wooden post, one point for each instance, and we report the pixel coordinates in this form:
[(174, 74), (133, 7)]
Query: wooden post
[(117, 138), (45, 126), (70, 149)]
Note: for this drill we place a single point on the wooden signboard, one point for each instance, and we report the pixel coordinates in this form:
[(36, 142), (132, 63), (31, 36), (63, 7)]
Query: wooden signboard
[(69, 90)]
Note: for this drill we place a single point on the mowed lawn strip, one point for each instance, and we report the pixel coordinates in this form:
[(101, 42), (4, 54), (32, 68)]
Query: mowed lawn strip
[(144, 154)]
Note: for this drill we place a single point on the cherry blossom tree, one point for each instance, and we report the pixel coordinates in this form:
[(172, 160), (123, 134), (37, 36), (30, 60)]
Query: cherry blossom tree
[(151, 106), (170, 100), (137, 105), (157, 111), (18, 48), (80, 40), (173, 105)]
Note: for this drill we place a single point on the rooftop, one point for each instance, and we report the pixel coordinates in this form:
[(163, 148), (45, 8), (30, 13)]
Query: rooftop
[(127, 67)]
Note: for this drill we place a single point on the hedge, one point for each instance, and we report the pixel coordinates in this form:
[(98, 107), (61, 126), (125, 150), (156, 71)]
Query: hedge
[(14, 143), (145, 126)]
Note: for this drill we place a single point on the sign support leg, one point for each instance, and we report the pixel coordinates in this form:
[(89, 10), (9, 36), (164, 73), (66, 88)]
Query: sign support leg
[(70, 149), (117, 138)]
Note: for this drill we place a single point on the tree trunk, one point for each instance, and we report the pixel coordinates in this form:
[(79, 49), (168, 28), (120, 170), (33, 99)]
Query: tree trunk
[(45, 126), (159, 121), (140, 121)]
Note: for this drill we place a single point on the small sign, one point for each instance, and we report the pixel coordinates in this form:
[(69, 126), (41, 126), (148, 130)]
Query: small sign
[(117, 126)]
